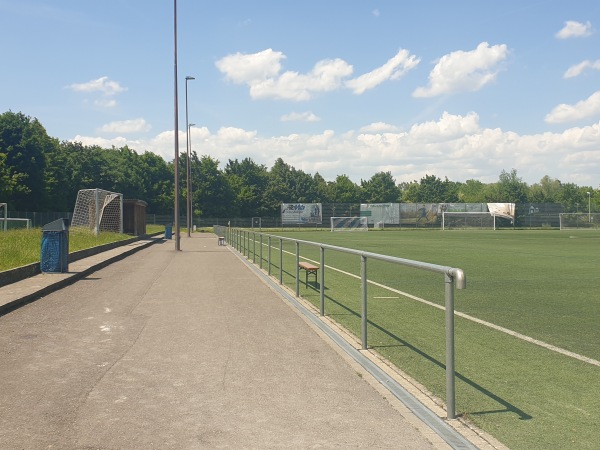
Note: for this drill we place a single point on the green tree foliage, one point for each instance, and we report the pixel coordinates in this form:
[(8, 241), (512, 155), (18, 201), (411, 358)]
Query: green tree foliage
[(511, 188), (248, 182), (212, 194), (344, 190), (24, 145), (380, 188)]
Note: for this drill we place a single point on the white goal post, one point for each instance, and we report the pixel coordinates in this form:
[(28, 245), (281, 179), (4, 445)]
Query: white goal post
[(579, 221), (464, 219), (4, 208), (98, 210), (349, 224)]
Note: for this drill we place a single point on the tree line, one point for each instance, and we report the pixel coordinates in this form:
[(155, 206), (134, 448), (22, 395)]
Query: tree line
[(40, 173)]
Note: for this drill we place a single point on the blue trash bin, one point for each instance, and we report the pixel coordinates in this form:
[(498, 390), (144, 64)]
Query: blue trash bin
[(55, 247), (168, 231)]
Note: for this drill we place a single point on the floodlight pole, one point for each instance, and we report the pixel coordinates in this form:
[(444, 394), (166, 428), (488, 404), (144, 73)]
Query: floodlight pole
[(188, 170), (189, 175), (176, 132), (589, 206)]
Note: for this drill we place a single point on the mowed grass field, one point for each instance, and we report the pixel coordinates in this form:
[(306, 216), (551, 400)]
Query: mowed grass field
[(541, 284)]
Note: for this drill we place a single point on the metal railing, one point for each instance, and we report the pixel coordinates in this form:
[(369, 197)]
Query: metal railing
[(245, 241)]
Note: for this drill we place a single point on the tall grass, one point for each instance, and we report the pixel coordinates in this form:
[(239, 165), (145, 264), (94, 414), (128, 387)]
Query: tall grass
[(22, 247)]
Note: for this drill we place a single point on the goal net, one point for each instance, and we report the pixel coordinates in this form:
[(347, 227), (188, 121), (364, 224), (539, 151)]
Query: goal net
[(98, 210), (349, 224), (452, 220), (579, 221)]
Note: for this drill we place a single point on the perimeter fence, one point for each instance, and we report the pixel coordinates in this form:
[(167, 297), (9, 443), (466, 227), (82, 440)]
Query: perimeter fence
[(268, 249), (410, 215)]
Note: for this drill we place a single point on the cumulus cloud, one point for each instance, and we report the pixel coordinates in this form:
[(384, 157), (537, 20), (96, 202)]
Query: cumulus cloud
[(126, 126), (462, 71), (391, 70), (454, 145), (578, 69), (573, 29), (584, 109), (379, 127), (103, 85), (251, 68), (262, 73), (300, 117)]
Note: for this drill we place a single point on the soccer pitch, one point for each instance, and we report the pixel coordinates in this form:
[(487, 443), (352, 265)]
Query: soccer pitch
[(527, 327)]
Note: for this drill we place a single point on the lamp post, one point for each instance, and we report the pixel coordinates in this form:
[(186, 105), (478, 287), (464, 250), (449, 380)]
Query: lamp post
[(189, 175), (176, 132), (589, 207), (187, 128)]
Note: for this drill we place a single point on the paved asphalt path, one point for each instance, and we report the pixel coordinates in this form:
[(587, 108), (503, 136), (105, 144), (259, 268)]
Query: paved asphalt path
[(183, 350)]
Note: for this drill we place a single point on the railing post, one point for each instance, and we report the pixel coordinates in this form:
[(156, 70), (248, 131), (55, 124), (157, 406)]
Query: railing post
[(280, 261), (450, 382), (297, 269), (322, 280), (254, 247), (269, 255), (260, 251), (363, 285)]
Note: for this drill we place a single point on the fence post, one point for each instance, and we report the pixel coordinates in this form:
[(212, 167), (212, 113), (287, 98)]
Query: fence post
[(297, 269), (260, 250), (450, 384), (254, 247), (269, 256), (322, 280), (280, 261), (363, 285)]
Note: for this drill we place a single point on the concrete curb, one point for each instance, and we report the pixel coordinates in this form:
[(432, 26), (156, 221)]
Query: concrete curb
[(21, 273), (75, 276)]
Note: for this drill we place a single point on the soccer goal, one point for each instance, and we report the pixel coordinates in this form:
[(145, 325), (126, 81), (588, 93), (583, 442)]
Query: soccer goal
[(349, 224), (579, 221), (98, 210), (453, 220)]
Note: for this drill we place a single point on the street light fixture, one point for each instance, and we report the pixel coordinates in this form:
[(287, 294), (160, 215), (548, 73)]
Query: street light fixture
[(188, 170), (189, 175), (589, 207)]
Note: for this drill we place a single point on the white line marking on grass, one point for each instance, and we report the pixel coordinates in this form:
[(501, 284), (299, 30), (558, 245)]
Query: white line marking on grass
[(523, 337)]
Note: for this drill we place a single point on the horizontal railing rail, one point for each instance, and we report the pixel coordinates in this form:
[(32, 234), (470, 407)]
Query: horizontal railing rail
[(245, 242)]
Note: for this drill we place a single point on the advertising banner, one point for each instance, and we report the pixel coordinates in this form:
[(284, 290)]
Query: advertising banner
[(301, 213)]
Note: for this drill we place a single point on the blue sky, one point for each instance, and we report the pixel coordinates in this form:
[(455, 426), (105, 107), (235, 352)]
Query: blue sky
[(461, 89)]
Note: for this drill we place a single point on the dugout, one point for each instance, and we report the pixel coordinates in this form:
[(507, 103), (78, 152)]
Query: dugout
[(134, 217)]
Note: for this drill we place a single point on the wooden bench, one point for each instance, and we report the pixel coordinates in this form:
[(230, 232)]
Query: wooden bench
[(221, 240), (308, 268)]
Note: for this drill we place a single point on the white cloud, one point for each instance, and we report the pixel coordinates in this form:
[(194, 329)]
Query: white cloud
[(249, 69), (584, 109), (454, 146), (327, 75), (578, 69), (300, 117), (102, 85), (126, 126), (379, 127), (574, 29), (462, 71), (262, 73), (376, 13), (391, 70)]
